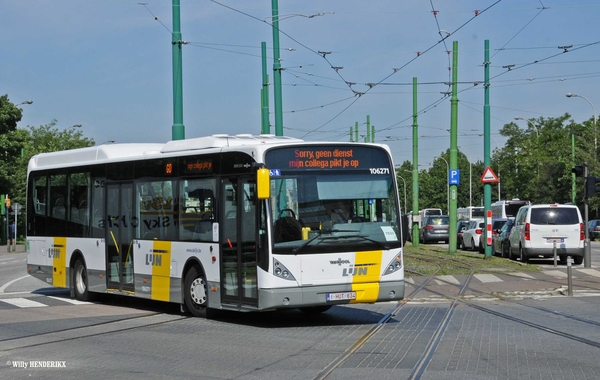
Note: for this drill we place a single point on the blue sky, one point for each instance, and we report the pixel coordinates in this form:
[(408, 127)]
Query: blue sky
[(107, 64)]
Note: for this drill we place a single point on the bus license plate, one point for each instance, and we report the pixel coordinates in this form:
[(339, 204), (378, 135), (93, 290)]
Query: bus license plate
[(341, 296)]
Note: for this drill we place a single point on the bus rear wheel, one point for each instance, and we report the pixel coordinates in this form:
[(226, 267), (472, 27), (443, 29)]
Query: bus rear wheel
[(196, 293), (80, 281)]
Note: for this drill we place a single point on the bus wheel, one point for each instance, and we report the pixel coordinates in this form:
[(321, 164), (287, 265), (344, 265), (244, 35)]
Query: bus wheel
[(315, 309), (196, 293), (80, 280)]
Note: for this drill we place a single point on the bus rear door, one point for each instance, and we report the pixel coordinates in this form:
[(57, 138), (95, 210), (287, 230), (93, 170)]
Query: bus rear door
[(119, 236)]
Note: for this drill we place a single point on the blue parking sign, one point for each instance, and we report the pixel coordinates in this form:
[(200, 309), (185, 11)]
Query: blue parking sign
[(454, 177)]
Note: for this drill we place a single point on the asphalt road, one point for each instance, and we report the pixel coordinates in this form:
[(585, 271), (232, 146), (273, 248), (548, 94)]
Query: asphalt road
[(529, 331)]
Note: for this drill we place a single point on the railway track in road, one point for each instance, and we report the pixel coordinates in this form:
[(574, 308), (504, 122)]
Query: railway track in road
[(428, 353), (455, 298), (109, 327)]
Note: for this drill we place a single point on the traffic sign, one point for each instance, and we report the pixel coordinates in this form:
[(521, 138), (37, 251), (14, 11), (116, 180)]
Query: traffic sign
[(454, 177), (16, 207), (489, 176)]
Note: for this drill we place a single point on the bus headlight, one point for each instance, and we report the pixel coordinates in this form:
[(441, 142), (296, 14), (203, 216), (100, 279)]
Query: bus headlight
[(281, 271), (394, 266)]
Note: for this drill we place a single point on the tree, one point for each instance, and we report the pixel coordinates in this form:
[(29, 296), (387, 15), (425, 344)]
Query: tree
[(18, 145), (536, 163), (10, 115), (26, 143)]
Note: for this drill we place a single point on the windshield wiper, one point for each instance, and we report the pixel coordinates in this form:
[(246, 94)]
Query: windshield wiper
[(336, 237), (380, 244)]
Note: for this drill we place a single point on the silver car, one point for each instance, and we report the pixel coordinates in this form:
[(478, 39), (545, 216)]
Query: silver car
[(435, 228)]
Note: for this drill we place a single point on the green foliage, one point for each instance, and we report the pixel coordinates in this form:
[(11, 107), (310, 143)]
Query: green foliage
[(20, 144), (534, 164), (10, 115)]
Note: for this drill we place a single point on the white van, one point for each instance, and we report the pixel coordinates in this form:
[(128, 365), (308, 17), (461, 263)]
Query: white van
[(538, 227)]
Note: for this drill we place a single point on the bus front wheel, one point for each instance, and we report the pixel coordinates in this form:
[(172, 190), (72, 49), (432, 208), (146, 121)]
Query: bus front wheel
[(80, 280), (196, 293), (315, 309)]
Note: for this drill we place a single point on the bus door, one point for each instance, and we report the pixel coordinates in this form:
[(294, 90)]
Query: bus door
[(120, 228), (238, 242)]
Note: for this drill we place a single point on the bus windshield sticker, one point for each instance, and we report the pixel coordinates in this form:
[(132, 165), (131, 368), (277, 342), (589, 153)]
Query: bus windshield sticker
[(388, 233)]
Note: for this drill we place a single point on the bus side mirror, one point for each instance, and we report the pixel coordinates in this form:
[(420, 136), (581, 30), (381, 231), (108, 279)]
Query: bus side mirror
[(263, 183)]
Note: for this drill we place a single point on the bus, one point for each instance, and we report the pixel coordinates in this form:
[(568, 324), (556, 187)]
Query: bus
[(241, 223), (428, 211), (507, 209), (470, 213)]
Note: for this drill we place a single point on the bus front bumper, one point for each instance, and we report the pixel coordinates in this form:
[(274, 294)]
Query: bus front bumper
[(318, 295)]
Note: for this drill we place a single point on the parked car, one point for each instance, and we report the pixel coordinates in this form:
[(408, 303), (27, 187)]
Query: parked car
[(594, 229), (472, 236), (435, 228), (461, 225), (539, 228), (500, 243), (497, 225)]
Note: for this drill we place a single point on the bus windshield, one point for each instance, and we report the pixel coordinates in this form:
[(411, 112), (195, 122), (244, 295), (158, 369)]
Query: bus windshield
[(324, 210)]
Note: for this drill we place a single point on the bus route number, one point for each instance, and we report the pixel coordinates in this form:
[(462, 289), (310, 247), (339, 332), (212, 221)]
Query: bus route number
[(380, 170)]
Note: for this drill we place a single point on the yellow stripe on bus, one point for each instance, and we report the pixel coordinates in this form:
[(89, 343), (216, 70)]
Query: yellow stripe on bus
[(58, 252), (160, 259), (367, 273)]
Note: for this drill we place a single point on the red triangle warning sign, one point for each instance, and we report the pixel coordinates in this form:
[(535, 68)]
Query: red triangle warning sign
[(489, 176)]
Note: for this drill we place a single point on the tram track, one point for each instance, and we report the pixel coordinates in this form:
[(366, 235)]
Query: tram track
[(429, 351), (520, 303), (97, 329), (522, 321)]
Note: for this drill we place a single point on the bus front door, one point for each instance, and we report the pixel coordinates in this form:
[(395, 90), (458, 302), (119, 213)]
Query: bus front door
[(120, 224), (238, 242)]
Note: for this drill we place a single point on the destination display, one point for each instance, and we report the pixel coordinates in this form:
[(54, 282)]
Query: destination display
[(198, 166), (329, 157)]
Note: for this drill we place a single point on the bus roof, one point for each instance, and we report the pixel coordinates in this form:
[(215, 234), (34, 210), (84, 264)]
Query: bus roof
[(132, 151)]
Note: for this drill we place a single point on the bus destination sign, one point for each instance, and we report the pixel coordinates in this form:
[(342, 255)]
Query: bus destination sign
[(327, 157)]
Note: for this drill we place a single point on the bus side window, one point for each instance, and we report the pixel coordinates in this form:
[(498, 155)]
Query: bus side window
[(39, 196)]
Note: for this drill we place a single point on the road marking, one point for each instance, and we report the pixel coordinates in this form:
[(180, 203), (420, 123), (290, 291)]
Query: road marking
[(11, 282), (523, 275), (71, 301), (554, 273), (487, 278), (447, 279), (23, 302), (589, 271)]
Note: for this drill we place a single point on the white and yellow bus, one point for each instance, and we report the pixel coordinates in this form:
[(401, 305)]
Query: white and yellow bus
[(239, 222)]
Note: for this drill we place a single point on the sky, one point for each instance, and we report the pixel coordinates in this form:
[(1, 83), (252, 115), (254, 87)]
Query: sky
[(107, 65)]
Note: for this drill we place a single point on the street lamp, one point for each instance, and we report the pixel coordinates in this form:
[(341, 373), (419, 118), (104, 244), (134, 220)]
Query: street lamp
[(26, 102), (402, 178), (277, 98), (569, 95), (447, 185), (537, 132), (470, 176)]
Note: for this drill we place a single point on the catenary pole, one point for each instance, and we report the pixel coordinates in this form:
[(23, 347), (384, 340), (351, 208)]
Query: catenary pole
[(178, 130), (453, 150), (415, 168), (266, 126), (277, 71), (487, 187)]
